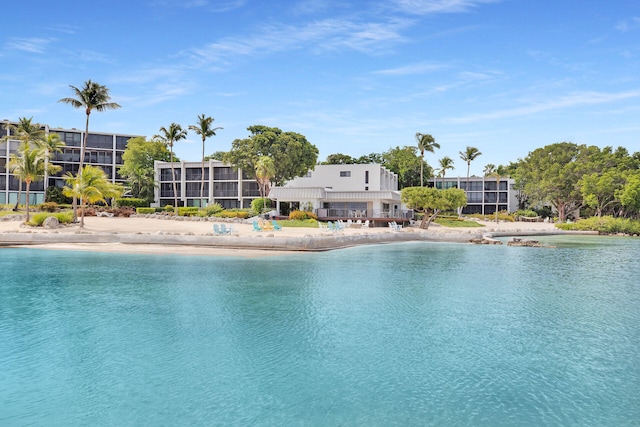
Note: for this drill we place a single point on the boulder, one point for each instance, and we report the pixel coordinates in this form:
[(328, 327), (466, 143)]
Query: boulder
[(516, 241), (51, 223)]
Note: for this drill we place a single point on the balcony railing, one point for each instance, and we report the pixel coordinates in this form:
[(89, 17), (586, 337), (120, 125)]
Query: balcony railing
[(225, 193), (364, 213), (225, 176)]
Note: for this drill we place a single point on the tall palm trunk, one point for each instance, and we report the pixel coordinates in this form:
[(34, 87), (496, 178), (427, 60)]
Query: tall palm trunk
[(28, 186), (202, 183), (497, 196), (421, 169), (173, 181), (15, 208), (466, 187), (46, 174)]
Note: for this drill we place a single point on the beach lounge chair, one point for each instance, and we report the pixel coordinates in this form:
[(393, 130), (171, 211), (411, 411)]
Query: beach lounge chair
[(256, 227), (224, 230), (331, 226), (266, 225), (276, 226), (365, 224), (394, 226), (216, 230)]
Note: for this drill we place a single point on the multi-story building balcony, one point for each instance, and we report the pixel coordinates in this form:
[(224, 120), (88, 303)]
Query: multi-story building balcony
[(102, 149), (223, 185), (483, 193)]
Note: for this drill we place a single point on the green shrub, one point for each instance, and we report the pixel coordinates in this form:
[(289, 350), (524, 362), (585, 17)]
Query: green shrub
[(544, 212), (143, 211), (528, 213), (502, 216), (37, 219), (260, 204), (188, 210), (604, 225), (131, 202), (168, 208), (212, 210), (234, 213), (302, 215), (48, 206), (54, 194)]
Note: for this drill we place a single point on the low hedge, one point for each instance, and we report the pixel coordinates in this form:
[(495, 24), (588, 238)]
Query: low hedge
[(48, 206), (604, 225), (143, 211), (242, 214), (131, 202), (302, 215), (37, 219), (188, 210)]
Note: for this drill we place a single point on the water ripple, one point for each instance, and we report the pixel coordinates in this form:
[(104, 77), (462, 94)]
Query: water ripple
[(409, 334)]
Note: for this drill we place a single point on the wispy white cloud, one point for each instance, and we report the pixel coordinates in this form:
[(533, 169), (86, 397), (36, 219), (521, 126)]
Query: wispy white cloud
[(145, 75), (324, 35), (420, 68), (92, 56), (306, 7), (572, 100), (628, 24), (425, 7), (63, 28), (208, 5), (33, 44), (162, 92)]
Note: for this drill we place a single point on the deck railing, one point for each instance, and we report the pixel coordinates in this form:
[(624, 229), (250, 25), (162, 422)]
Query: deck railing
[(364, 213)]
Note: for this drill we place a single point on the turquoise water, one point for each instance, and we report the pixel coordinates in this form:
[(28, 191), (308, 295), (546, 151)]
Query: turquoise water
[(404, 334)]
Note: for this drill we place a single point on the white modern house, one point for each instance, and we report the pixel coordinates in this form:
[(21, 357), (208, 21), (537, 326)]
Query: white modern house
[(367, 191)]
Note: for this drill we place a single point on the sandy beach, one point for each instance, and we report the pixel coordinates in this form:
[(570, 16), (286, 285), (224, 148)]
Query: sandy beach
[(195, 237)]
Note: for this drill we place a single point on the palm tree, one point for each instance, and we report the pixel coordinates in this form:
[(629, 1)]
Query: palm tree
[(426, 142), (468, 156), (265, 170), (51, 144), (491, 170), (169, 136), (92, 96), (446, 163), (90, 185), (204, 129), (27, 133), (28, 165)]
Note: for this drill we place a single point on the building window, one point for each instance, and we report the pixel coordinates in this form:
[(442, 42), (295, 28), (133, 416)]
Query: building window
[(345, 174), (121, 142), (165, 174), (366, 177), (224, 174), (366, 188)]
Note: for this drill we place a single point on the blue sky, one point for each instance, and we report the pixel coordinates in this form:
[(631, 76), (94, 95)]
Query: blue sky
[(505, 76)]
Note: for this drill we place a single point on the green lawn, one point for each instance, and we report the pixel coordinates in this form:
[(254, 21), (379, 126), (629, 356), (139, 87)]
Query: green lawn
[(454, 222)]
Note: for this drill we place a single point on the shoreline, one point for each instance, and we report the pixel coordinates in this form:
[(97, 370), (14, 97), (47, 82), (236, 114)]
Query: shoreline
[(160, 236)]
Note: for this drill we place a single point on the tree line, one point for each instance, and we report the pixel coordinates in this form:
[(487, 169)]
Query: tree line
[(565, 176), (572, 178)]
